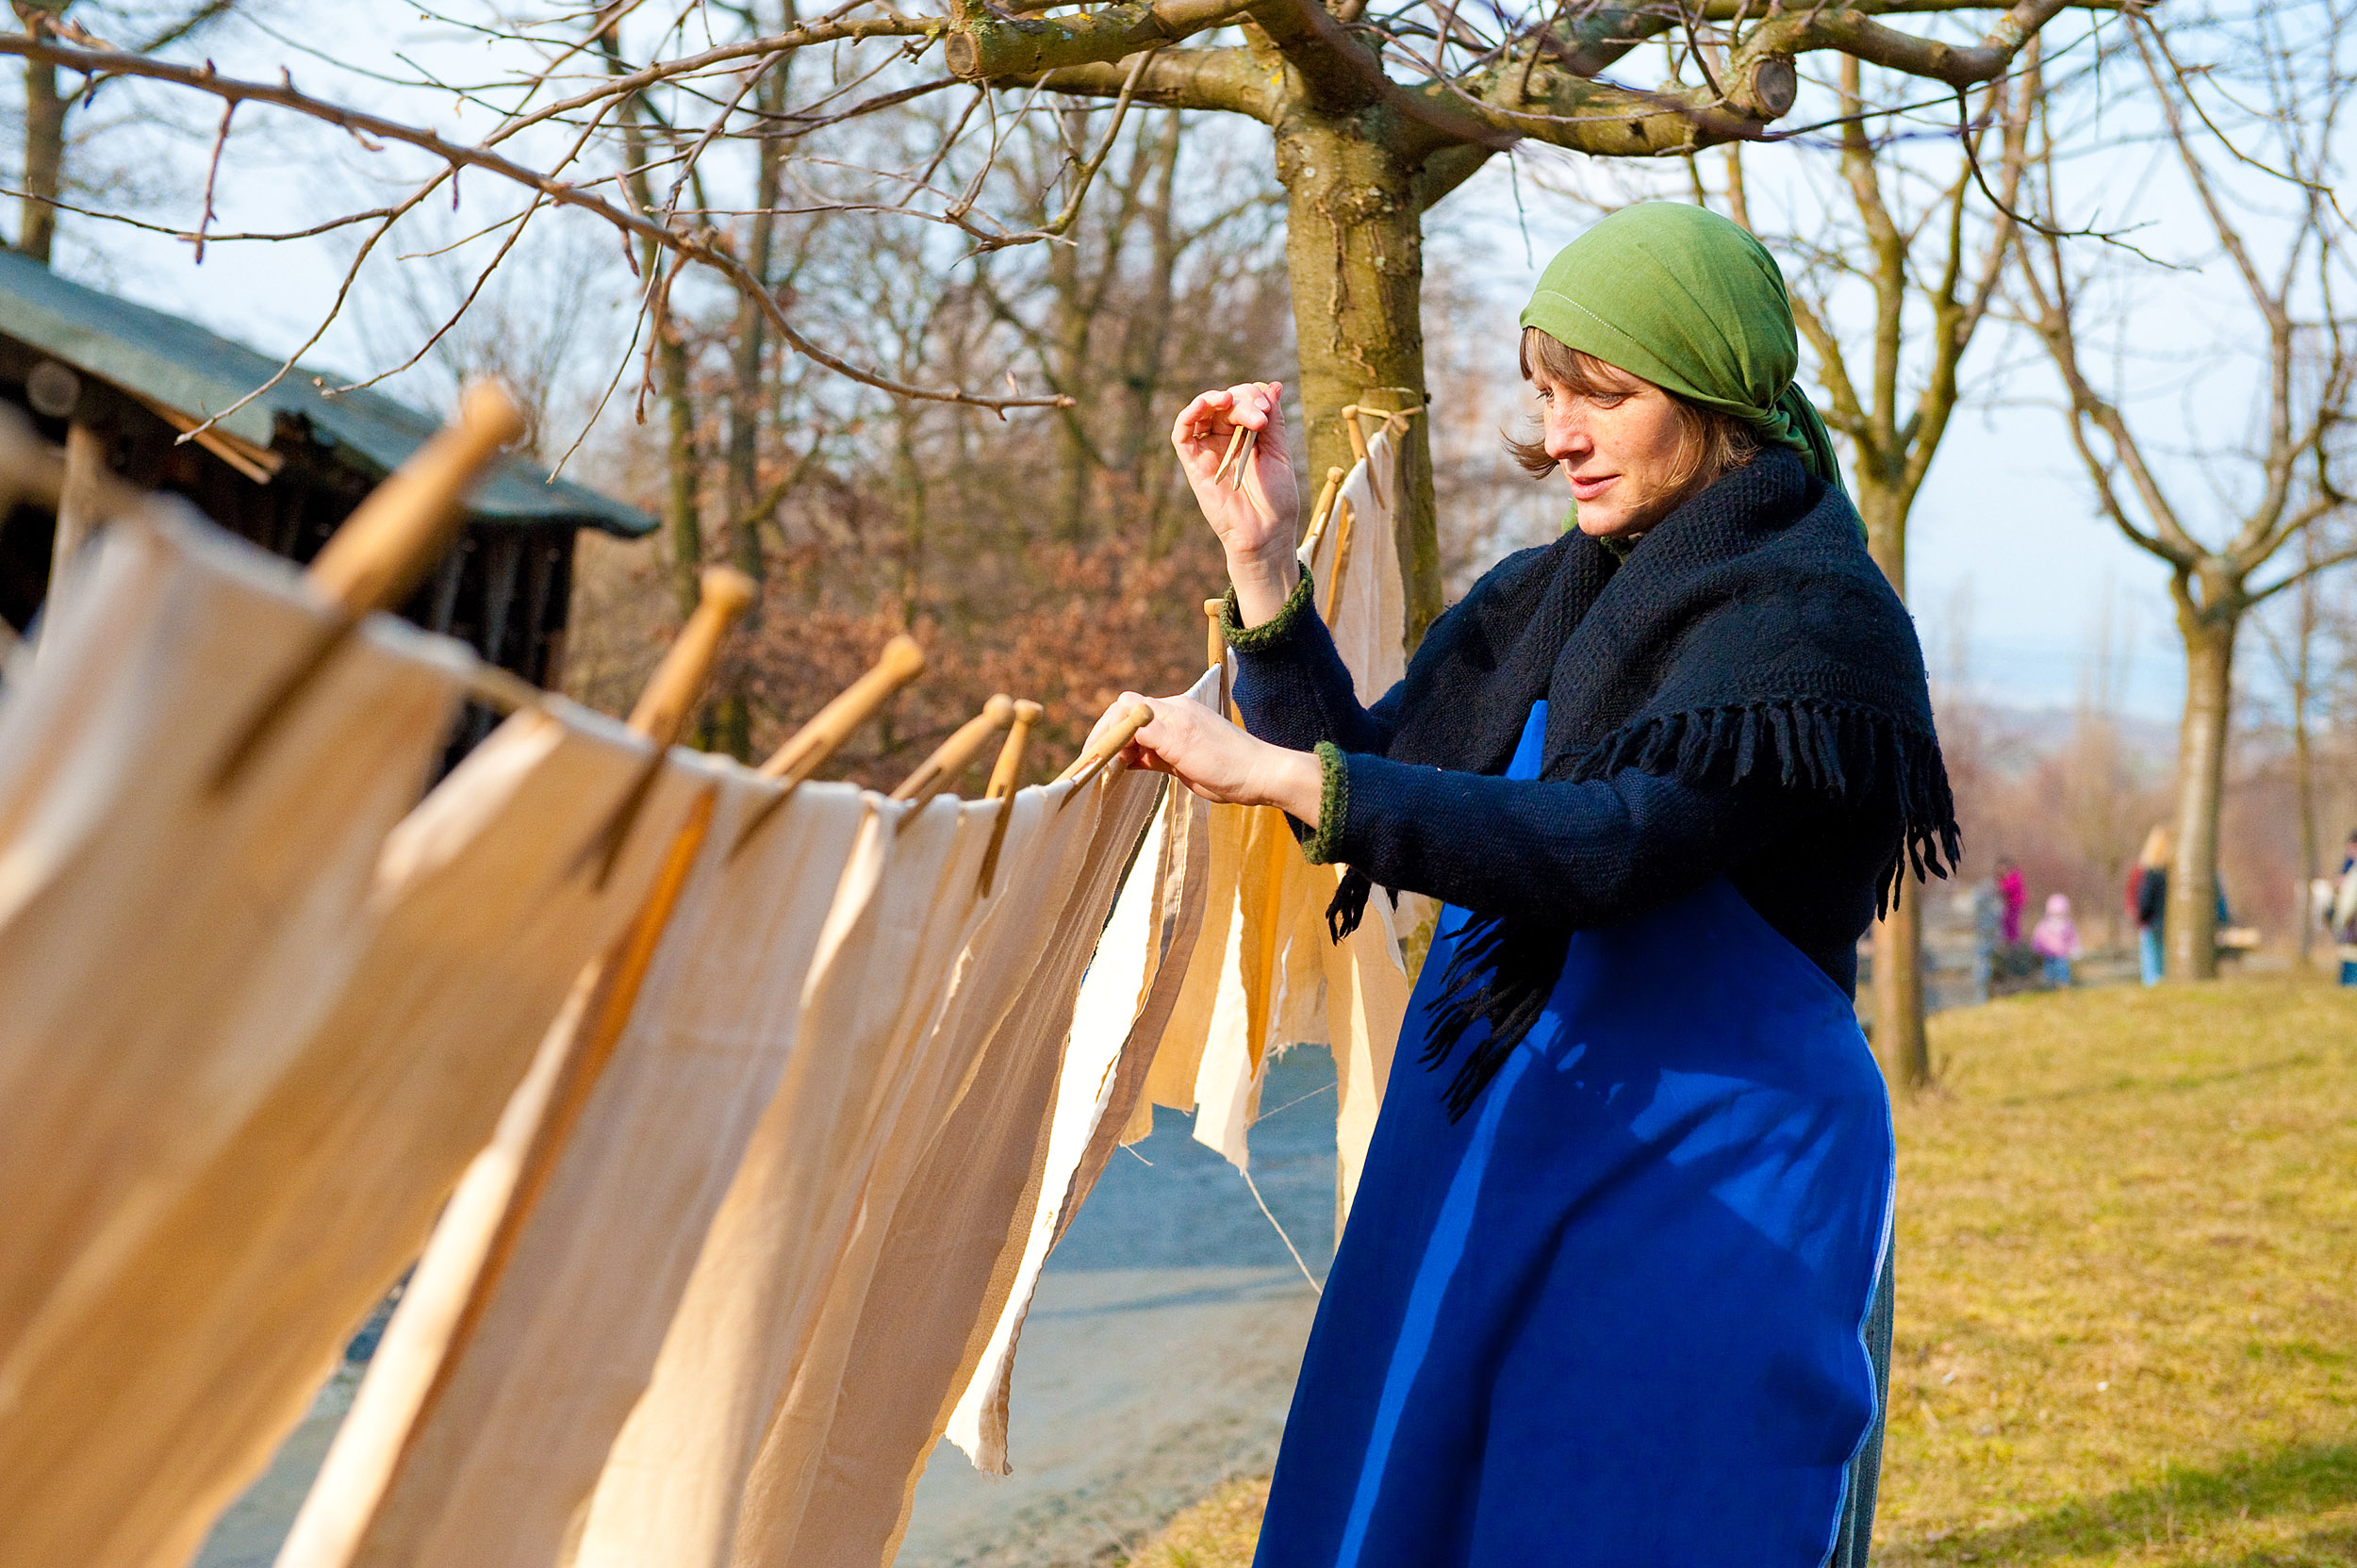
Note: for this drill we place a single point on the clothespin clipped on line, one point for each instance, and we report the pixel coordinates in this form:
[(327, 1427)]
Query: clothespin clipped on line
[(1094, 758), (1215, 647), (1394, 420), (807, 750), (1340, 565), (1319, 514), (954, 756), (386, 548), (1004, 775), (671, 695)]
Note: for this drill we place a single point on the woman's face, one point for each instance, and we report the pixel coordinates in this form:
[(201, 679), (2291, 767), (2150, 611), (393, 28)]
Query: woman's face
[(1621, 449)]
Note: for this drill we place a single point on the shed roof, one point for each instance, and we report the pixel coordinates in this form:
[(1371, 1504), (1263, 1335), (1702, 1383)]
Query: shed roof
[(170, 360)]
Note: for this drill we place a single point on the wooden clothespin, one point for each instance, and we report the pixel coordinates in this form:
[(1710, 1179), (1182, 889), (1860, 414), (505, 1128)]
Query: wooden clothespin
[(385, 547), (1008, 767), (1004, 775), (808, 748), (1358, 437), (1341, 568), (1240, 449), (671, 695), (951, 757), (1215, 647), (1108, 746), (900, 662), (1320, 513)]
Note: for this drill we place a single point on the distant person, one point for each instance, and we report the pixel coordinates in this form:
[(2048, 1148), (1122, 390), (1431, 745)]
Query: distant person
[(2015, 894), (2344, 914), (1987, 921), (2056, 939), (2151, 905)]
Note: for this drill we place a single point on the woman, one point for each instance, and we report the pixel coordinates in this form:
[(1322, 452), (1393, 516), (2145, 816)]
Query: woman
[(1604, 1294)]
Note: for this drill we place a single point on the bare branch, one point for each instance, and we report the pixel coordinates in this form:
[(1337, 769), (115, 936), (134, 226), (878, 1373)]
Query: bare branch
[(561, 192)]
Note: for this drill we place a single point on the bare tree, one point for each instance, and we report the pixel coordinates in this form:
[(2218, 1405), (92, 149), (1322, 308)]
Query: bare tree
[(2261, 114), (1921, 228), (1373, 118), (46, 106)]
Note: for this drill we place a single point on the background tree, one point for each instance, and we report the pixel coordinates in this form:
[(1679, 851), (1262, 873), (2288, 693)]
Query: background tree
[(1362, 152), (42, 129), (2251, 127), (1914, 245)]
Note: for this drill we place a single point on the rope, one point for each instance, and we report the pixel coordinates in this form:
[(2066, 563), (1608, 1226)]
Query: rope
[(1315, 1288)]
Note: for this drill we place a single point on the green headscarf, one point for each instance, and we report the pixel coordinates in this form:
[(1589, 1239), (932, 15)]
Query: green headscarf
[(1689, 300)]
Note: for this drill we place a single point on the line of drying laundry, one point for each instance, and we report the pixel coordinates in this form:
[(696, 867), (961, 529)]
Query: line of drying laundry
[(727, 1114)]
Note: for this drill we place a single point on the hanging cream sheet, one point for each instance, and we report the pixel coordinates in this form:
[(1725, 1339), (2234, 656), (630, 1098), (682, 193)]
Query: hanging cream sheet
[(834, 1477), (147, 1397), (1125, 1004), (670, 1489), (562, 1329), (162, 942), (1267, 975), (170, 931)]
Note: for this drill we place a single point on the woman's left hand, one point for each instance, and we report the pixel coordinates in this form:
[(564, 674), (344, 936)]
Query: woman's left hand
[(1220, 761)]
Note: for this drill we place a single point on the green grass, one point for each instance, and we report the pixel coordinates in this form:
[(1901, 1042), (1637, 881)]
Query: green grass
[(2127, 1290)]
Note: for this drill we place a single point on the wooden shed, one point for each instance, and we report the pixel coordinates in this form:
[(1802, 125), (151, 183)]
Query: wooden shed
[(117, 383)]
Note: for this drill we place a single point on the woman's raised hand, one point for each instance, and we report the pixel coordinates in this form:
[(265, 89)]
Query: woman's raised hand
[(1258, 523), (1218, 761)]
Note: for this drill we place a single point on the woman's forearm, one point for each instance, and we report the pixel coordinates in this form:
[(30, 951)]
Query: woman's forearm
[(1262, 584), (1579, 854)]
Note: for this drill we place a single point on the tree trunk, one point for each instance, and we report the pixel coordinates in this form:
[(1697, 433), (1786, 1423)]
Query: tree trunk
[(44, 153), (1354, 250), (733, 719), (2191, 920), (1900, 1037)]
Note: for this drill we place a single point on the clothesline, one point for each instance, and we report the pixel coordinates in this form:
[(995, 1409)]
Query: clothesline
[(730, 1114)]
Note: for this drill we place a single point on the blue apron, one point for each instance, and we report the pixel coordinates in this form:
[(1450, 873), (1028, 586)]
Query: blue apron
[(1617, 1313)]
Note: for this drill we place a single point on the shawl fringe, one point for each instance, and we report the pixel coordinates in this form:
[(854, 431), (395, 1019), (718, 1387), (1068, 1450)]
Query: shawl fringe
[(1503, 972)]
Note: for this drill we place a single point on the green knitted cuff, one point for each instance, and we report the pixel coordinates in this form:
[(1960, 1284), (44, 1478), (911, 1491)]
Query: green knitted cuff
[(1333, 807), (1276, 629)]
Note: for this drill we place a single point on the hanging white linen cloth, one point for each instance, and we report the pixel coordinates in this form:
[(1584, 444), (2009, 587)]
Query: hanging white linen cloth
[(561, 1326), (142, 1407), (671, 1482), (839, 1468), (1266, 974), (1125, 1004), (170, 927)]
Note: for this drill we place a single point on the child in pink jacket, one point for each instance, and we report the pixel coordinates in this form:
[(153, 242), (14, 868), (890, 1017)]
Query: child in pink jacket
[(2056, 939)]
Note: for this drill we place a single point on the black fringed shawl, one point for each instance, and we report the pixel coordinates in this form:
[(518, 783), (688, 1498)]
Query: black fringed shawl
[(1749, 630)]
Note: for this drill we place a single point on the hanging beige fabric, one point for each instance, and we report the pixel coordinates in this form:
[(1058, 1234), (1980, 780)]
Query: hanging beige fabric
[(669, 1488), (832, 1481), (563, 1338), (1126, 1001), (160, 1384), (1265, 974), (1044, 857), (163, 941)]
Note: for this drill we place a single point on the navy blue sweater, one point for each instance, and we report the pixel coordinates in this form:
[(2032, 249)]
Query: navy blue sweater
[(1577, 854)]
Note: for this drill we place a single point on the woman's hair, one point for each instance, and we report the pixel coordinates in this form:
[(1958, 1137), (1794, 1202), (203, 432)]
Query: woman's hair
[(2155, 852), (1710, 440)]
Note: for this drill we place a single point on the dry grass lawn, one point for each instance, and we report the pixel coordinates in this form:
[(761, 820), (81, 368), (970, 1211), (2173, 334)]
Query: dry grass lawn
[(2126, 1291)]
